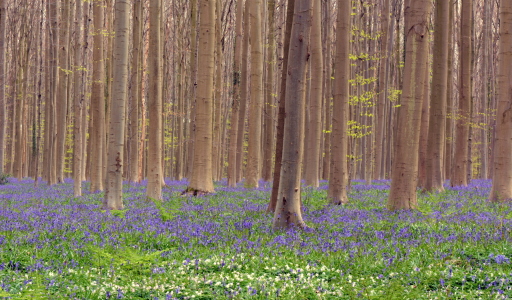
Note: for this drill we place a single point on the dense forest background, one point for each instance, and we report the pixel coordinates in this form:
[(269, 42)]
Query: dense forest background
[(111, 90)]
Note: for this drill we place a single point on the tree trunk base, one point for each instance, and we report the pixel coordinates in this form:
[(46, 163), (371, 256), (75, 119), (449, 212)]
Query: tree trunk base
[(194, 192)]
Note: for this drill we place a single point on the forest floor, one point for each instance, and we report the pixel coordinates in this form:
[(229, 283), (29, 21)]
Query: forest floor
[(221, 246)]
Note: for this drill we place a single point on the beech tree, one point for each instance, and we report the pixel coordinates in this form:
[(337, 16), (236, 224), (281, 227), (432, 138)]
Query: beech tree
[(235, 107), (62, 90), (282, 109), (436, 131), (115, 154), (3, 46), (97, 144), (338, 178), (404, 173), (502, 180), (288, 209), (135, 95), (312, 161), (255, 105), (202, 176), (154, 189), (383, 87), (78, 103), (463, 117)]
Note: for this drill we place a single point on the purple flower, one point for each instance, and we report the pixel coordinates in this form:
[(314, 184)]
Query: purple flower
[(500, 259)]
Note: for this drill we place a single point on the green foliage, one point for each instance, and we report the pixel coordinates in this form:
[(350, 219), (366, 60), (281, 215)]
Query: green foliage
[(4, 178), (127, 259), (358, 130), (168, 214)]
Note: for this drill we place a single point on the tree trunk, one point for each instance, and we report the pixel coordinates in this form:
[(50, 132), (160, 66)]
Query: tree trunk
[(154, 189), (425, 112), (53, 41), (338, 178), (502, 178), (135, 95), (193, 87), (382, 92), (448, 148), (202, 177), (115, 160), (437, 124), (243, 99), (463, 116), (288, 210), (404, 176), (62, 90), (235, 106), (97, 101), (256, 79), (78, 104), (269, 144), (312, 162), (281, 115), (217, 110), (3, 46), (327, 115)]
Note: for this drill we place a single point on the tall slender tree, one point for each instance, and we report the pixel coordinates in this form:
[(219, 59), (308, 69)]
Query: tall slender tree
[(62, 90), (288, 209), (437, 124), (404, 173), (115, 158), (256, 79), (461, 154), (290, 10), (78, 104), (448, 148), (3, 46), (97, 109), (52, 81), (502, 178), (338, 178), (154, 190), (268, 147), (202, 176), (312, 161), (382, 90), (135, 95), (235, 107)]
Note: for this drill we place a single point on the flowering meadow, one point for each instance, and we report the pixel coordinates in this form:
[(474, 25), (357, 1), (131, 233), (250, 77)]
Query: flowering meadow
[(221, 246)]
